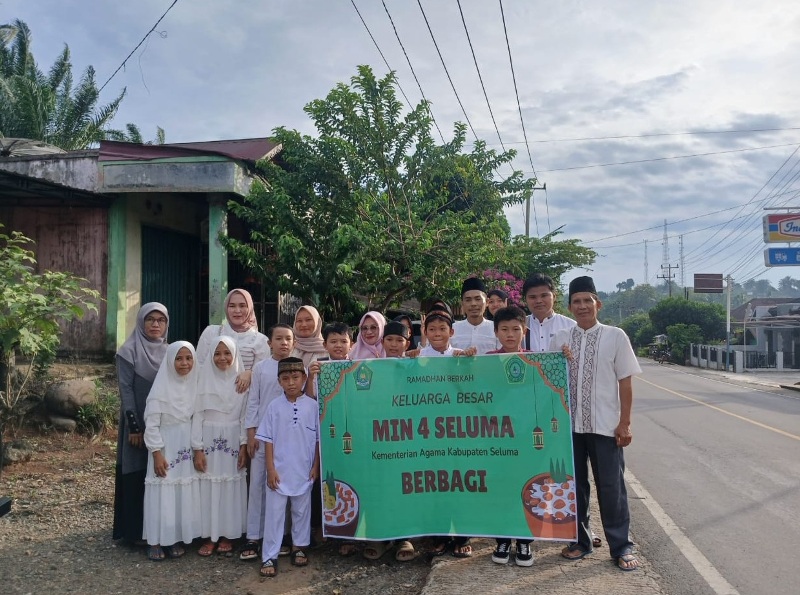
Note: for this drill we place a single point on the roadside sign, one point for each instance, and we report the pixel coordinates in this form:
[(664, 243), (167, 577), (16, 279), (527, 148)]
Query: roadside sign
[(782, 227), (708, 283), (782, 257)]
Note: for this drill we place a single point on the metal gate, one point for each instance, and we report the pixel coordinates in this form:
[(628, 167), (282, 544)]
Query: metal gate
[(170, 275)]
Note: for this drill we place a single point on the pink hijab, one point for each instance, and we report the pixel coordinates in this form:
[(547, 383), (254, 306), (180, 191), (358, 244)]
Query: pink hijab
[(250, 322), (309, 347), (362, 350)]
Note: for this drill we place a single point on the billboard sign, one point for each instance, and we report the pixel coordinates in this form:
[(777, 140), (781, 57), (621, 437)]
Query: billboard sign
[(708, 283), (782, 227), (782, 257)]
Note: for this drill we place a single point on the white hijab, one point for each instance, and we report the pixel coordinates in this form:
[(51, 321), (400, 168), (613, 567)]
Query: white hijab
[(172, 393), (216, 389)]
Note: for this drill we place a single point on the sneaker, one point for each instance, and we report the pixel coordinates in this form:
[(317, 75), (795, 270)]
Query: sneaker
[(500, 554), (524, 555)]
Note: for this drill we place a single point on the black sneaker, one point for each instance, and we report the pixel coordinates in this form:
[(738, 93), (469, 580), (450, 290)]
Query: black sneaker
[(524, 555), (500, 554)]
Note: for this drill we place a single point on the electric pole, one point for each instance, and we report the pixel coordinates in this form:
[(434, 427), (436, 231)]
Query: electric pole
[(669, 276), (528, 212)]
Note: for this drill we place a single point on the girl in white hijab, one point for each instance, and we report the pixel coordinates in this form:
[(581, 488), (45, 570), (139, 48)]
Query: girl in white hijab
[(241, 325), (219, 442), (172, 491)]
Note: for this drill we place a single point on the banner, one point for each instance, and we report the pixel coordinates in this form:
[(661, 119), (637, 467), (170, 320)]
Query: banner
[(474, 446)]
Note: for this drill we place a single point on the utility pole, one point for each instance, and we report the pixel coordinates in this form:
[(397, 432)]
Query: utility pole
[(646, 272), (729, 279), (669, 276), (528, 212), (680, 243)]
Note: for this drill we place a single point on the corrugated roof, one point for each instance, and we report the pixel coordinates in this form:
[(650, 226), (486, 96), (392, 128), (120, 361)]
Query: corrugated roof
[(246, 149)]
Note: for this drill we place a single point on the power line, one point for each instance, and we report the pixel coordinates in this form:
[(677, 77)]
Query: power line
[(652, 135), (138, 45), (447, 72), (519, 107), (402, 47), (372, 37), (667, 158), (480, 77)]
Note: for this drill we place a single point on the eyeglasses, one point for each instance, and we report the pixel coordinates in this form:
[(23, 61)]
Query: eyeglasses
[(160, 321), (367, 329)]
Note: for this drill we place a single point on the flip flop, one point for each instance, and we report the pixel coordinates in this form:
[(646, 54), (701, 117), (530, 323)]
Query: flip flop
[(175, 551), (627, 559), (155, 553), (347, 549), (405, 552), (225, 546), (441, 547), (463, 550), (574, 552), (375, 549), (207, 549), (596, 541)]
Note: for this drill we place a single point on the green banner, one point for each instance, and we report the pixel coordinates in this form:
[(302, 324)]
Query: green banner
[(477, 446)]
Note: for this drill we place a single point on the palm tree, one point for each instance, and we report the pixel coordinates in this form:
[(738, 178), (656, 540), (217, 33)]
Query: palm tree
[(49, 107)]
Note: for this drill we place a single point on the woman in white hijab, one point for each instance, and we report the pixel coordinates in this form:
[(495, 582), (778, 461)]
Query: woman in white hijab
[(219, 442), (171, 491), (241, 325)]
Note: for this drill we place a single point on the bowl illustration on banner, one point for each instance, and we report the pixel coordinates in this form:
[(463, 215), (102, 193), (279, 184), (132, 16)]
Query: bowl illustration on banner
[(340, 507), (549, 505)]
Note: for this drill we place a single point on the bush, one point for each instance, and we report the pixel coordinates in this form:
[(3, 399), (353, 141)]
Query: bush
[(100, 415)]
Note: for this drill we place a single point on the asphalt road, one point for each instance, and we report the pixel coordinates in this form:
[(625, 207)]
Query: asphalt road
[(722, 461)]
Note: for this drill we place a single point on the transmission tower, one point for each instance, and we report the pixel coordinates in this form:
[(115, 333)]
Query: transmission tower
[(680, 240), (665, 247), (646, 272)]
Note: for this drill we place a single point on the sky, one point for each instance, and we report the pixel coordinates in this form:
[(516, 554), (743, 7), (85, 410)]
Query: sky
[(702, 95)]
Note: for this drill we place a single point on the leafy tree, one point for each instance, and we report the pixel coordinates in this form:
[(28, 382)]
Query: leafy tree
[(639, 329), (710, 318), (524, 256), (50, 107), (31, 306), (372, 207), (680, 336)]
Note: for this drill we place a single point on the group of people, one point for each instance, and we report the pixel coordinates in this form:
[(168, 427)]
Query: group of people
[(221, 441)]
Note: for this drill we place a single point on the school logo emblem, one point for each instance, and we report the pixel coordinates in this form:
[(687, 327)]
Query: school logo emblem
[(363, 377), (515, 371)]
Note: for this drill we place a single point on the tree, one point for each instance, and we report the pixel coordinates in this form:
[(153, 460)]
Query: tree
[(680, 337), (525, 256), (31, 306), (372, 207), (49, 107), (639, 329), (710, 318)]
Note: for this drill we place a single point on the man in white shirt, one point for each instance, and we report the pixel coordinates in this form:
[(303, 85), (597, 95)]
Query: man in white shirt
[(539, 294), (475, 330), (601, 366)]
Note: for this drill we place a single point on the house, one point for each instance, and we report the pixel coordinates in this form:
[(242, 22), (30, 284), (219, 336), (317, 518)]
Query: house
[(140, 223), (772, 326)]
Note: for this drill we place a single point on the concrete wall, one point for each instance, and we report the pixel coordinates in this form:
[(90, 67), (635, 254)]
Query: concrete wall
[(76, 169)]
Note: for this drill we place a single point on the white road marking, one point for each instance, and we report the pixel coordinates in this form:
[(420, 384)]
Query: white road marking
[(695, 557)]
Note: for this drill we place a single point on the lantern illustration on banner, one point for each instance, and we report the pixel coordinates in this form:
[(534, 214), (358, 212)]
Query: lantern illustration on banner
[(347, 443), (332, 428), (538, 433), (554, 420)]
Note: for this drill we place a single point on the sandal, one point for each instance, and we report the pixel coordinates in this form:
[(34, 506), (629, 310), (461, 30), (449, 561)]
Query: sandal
[(176, 550), (462, 550), (225, 546), (441, 547), (596, 541), (627, 562), (298, 558), (285, 550), (347, 549), (405, 552), (375, 549), (249, 550), (269, 569), (574, 552), (155, 553), (207, 548)]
